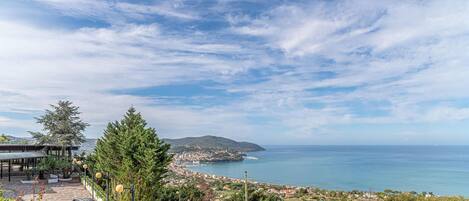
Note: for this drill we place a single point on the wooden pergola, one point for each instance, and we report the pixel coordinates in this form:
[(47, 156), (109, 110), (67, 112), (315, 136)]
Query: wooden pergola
[(29, 155)]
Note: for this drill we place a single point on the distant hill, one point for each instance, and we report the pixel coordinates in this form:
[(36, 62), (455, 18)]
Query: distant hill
[(18, 140), (211, 142)]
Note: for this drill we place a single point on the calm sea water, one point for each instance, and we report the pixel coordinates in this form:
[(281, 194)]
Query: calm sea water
[(440, 169)]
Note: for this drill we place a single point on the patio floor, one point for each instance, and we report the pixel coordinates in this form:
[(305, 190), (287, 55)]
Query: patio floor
[(53, 192)]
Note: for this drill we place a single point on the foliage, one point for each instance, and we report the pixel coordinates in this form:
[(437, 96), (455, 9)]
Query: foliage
[(63, 125), (8, 139), (52, 163), (3, 198), (132, 153), (29, 173), (301, 192), (417, 197), (187, 192), (254, 195), (210, 143), (47, 164), (4, 139), (65, 166), (98, 190)]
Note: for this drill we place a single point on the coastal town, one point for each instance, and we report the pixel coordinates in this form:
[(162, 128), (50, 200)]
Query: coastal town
[(220, 188), (207, 155)]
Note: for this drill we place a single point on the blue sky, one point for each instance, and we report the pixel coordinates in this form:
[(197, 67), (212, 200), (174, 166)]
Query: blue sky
[(271, 72)]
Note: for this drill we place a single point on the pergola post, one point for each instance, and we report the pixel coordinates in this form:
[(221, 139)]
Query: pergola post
[(70, 152), (34, 166), (9, 170)]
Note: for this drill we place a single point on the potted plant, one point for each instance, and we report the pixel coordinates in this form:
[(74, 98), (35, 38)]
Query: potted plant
[(28, 173), (42, 167), (29, 179), (47, 165), (66, 167)]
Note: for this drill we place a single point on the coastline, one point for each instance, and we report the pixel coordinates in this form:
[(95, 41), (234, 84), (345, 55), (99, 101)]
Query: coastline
[(293, 192), (285, 191)]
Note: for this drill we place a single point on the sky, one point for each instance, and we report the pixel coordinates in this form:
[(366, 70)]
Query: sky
[(270, 72)]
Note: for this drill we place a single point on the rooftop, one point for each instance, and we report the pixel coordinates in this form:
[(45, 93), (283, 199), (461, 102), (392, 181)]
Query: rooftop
[(33, 147), (19, 155)]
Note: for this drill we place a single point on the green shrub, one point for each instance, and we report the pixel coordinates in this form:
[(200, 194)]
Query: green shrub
[(188, 192), (254, 195)]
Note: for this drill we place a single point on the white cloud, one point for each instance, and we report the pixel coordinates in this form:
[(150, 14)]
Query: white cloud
[(119, 12), (407, 56), (398, 53), (40, 66)]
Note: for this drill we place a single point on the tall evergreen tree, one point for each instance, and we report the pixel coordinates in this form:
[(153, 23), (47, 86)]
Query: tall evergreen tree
[(133, 154), (62, 124)]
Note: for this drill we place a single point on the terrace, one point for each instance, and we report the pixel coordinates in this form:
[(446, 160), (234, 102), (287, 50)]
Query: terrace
[(15, 159), (18, 160)]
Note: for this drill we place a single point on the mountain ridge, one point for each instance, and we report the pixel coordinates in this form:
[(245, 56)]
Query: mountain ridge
[(211, 142)]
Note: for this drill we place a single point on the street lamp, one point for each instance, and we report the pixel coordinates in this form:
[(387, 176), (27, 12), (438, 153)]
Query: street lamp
[(120, 188), (246, 185), (98, 176), (84, 175)]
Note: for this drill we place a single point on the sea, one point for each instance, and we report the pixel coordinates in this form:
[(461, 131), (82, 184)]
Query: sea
[(443, 170)]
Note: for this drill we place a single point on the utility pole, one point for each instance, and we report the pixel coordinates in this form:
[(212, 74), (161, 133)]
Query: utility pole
[(245, 185)]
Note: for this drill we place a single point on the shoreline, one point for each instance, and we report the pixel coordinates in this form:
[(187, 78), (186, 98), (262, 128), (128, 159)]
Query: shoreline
[(285, 190), (291, 191)]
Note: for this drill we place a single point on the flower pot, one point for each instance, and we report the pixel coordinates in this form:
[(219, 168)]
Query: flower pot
[(66, 179)]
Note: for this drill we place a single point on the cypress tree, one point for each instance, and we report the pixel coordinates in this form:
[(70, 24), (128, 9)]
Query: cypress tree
[(133, 154)]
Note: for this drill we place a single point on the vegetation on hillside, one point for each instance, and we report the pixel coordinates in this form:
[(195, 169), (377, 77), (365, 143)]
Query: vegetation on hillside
[(254, 194), (387, 195), (4, 139), (211, 142), (186, 192), (8, 139)]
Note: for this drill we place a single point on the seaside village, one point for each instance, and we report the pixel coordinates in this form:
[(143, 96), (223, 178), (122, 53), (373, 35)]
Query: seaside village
[(130, 162), (234, 100)]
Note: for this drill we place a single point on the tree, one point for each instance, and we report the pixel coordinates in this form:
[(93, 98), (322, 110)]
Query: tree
[(4, 139), (133, 154), (62, 124), (186, 192), (254, 195)]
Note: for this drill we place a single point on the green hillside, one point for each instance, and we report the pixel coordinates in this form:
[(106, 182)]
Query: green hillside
[(211, 142)]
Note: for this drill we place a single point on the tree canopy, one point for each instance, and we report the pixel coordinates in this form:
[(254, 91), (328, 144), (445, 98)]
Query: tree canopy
[(132, 153), (62, 125), (4, 138)]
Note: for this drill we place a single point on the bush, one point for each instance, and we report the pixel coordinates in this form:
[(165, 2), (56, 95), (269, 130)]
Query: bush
[(3, 198), (189, 192), (65, 166), (254, 195)]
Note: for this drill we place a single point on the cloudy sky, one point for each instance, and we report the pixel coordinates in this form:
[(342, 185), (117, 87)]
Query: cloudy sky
[(272, 72)]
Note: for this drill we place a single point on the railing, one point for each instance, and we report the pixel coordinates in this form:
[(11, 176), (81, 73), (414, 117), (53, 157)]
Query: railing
[(96, 191)]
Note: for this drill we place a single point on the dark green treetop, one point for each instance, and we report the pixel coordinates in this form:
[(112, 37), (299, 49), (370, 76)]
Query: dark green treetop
[(133, 154), (62, 124)]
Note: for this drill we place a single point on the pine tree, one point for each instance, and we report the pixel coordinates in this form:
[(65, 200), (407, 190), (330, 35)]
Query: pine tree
[(62, 124), (133, 154)]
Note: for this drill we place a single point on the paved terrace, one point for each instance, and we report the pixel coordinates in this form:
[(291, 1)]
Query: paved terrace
[(62, 191)]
